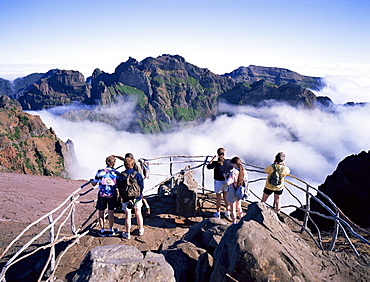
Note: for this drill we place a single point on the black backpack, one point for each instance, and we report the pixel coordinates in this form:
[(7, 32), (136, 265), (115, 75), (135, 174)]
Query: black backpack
[(275, 178), (130, 189)]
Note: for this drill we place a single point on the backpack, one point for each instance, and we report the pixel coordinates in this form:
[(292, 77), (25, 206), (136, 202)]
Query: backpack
[(130, 189), (242, 192), (275, 178), (107, 187)]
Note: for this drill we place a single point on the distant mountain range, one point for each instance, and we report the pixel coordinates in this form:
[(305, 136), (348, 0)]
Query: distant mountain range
[(167, 90)]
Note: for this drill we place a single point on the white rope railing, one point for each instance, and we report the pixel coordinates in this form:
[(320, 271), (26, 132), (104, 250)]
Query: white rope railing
[(73, 199)]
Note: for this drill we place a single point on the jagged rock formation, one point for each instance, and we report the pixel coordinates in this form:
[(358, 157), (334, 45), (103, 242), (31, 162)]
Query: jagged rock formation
[(258, 248), (56, 88), (260, 91), (5, 87), (123, 263), (347, 187), (26, 144), (275, 76), (168, 90), (165, 91)]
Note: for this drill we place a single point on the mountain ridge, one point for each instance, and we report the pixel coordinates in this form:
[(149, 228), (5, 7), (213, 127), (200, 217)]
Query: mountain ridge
[(167, 91)]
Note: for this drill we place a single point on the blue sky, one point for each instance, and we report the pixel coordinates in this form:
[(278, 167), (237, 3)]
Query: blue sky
[(218, 35)]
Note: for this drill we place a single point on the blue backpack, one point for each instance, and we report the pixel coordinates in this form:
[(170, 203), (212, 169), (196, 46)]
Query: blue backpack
[(242, 192), (107, 186)]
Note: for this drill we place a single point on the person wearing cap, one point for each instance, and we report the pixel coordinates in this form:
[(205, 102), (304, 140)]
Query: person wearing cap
[(282, 170)]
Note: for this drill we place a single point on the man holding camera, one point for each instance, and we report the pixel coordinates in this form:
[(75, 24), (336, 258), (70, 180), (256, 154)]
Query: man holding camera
[(136, 203)]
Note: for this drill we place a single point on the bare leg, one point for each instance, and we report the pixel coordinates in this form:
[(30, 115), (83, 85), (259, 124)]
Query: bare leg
[(128, 220), (101, 219), (239, 209), (139, 218), (232, 211), (277, 202), (218, 201), (264, 198), (227, 204), (110, 218)]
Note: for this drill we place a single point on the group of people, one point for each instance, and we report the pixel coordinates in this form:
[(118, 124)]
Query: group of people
[(110, 178), (230, 174)]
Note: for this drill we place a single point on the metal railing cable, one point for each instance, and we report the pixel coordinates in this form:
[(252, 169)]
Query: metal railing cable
[(335, 213)]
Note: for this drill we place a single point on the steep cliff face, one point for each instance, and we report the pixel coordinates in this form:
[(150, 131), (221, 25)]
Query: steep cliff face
[(275, 76), (27, 145), (56, 88), (167, 89), (260, 91), (348, 187)]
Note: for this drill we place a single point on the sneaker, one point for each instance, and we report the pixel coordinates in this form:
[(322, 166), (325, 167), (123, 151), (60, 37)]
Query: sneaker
[(113, 232), (227, 215), (102, 233), (141, 232), (217, 214), (126, 235)]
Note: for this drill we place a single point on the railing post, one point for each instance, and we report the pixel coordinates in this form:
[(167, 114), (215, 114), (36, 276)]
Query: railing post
[(73, 227), (335, 234), (308, 208), (171, 173), (52, 248), (203, 174)]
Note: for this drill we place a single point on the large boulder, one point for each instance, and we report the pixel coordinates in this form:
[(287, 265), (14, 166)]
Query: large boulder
[(123, 263), (262, 248), (186, 200), (183, 257)]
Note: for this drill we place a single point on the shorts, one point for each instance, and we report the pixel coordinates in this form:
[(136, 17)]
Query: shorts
[(102, 203), (269, 192), (137, 205), (219, 186)]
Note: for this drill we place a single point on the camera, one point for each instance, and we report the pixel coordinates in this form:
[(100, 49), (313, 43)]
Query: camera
[(130, 205)]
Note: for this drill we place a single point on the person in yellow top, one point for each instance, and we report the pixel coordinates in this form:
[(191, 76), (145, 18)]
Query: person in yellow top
[(275, 180)]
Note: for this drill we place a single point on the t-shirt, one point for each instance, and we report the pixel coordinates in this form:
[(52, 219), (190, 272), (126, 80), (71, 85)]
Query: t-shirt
[(284, 172), (100, 174), (219, 171)]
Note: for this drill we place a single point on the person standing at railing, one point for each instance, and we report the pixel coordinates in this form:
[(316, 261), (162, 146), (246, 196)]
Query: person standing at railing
[(139, 169), (238, 176), (275, 180), (221, 169), (136, 203), (107, 195)]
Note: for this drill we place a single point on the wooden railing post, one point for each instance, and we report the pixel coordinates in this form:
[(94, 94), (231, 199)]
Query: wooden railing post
[(52, 248), (203, 174), (335, 234), (73, 227), (308, 208)]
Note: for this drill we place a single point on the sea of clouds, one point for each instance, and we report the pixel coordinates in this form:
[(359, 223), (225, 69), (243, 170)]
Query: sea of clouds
[(314, 141)]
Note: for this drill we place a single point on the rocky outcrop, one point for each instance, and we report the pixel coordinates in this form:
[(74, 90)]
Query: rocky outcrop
[(259, 248), (57, 88), (259, 92), (123, 263), (166, 92), (5, 87), (275, 76), (27, 145), (186, 198), (347, 187)]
